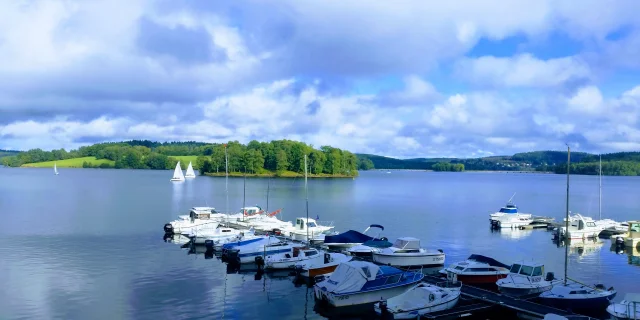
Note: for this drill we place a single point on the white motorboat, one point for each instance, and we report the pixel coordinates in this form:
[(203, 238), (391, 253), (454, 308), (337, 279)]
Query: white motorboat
[(509, 216), (476, 270), (287, 260), (248, 251), (629, 308), (579, 228), (420, 299), (360, 282), (177, 174), (631, 239), (406, 252), (199, 236), (573, 295), (321, 265), (525, 279), (198, 217), (306, 227), (190, 174)]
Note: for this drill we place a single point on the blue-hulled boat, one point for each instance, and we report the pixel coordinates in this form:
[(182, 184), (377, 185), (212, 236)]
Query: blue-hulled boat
[(246, 251), (360, 282), (351, 238)]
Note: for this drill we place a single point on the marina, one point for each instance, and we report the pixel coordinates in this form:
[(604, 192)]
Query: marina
[(277, 289)]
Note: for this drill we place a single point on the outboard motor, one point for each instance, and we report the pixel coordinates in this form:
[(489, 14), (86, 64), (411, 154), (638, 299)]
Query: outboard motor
[(327, 258), (208, 254), (209, 244), (383, 306), (550, 276), (259, 262), (600, 286), (440, 250), (620, 242), (168, 228)]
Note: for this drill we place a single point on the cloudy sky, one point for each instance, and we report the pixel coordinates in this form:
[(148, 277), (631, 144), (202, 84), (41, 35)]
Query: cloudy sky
[(396, 78)]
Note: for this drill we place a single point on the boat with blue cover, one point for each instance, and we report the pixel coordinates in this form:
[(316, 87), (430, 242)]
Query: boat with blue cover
[(351, 238), (361, 282), (509, 216), (368, 248)]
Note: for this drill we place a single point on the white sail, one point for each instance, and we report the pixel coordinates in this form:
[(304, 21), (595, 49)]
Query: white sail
[(177, 173), (190, 173), (55, 168)]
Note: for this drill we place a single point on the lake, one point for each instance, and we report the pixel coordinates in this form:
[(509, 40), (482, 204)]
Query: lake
[(87, 244)]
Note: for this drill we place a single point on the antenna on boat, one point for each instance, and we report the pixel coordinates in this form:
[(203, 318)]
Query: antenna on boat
[(566, 232), (306, 193), (244, 193), (600, 191), (511, 199)]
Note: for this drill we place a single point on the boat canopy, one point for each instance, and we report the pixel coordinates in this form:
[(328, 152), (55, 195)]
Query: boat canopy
[(490, 261), (376, 243), (509, 208), (376, 226), (351, 276), (350, 236), (407, 243)]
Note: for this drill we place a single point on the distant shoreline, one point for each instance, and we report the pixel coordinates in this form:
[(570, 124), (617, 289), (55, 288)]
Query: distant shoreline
[(274, 175)]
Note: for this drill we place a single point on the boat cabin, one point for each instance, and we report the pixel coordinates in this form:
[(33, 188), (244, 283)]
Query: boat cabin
[(634, 229), (527, 269), (300, 225), (203, 213), (250, 211), (509, 208), (478, 264), (407, 245)]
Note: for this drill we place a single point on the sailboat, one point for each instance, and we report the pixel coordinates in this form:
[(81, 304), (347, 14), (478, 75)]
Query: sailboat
[(177, 173), (55, 168), (609, 226), (574, 295), (190, 173)]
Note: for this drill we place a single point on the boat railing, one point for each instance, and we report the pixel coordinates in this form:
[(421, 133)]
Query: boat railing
[(449, 284)]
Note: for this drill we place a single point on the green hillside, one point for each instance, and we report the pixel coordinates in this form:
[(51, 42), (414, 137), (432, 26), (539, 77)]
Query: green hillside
[(70, 163)]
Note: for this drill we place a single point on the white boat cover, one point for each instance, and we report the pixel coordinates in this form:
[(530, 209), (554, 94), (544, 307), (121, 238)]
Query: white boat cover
[(351, 276), (415, 298), (407, 243)]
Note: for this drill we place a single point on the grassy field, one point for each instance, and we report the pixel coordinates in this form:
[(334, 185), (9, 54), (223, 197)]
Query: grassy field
[(68, 163), (184, 161)]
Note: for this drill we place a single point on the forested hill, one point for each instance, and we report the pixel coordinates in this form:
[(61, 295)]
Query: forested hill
[(620, 163), (280, 157)]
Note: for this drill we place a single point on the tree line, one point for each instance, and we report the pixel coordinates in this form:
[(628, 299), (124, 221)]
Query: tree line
[(609, 168), (255, 157), (280, 156)]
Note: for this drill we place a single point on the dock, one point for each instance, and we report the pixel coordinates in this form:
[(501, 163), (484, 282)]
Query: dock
[(486, 299)]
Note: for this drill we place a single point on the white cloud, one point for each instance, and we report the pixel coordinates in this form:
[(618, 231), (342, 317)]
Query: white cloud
[(523, 71), (587, 100)]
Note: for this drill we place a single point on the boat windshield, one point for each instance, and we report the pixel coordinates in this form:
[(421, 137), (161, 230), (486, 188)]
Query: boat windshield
[(526, 270), (311, 225), (515, 268), (537, 271), (591, 224)]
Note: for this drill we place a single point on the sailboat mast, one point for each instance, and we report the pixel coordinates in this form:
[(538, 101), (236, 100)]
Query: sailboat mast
[(268, 186), (306, 194), (244, 193), (600, 191), (566, 232), (226, 175)]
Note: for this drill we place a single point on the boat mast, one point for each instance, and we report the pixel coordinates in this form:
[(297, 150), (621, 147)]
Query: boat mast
[(306, 193), (268, 185), (600, 190), (566, 232), (244, 193), (226, 175)]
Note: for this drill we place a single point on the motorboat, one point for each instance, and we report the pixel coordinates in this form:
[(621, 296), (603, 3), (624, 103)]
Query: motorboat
[(217, 244), (629, 308), (263, 222), (477, 269), (323, 265), (198, 217), (306, 227), (199, 236), (361, 282), (351, 238), (571, 294), (580, 227), (406, 252), (525, 279), (288, 260), (509, 216), (366, 249), (631, 239), (247, 251), (418, 300)]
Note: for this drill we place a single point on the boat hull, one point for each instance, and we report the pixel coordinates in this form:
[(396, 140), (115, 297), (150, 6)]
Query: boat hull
[(590, 304), (313, 272), (407, 260), (523, 291), (475, 279), (357, 298), (412, 314)]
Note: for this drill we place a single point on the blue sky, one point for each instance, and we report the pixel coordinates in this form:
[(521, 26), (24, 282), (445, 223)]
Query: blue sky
[(396, 78)]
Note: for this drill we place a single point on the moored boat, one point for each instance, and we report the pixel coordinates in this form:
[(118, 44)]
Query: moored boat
[(325, 264), (629, 308), (406, 252), (525, 279), (478, 270), (418, 300), (288, 260), (360, 282), (248, 251), (351, 238), (366, 249)]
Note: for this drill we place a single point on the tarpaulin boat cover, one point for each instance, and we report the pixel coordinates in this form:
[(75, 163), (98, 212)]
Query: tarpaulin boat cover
[(375, 243), (350, 236), (490, 261), (351, 276)]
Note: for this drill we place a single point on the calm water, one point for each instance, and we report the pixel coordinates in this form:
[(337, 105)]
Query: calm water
[(87, 244)]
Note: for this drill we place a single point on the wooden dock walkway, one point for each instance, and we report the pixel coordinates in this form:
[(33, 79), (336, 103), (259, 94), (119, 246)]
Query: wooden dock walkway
[(492, 298)]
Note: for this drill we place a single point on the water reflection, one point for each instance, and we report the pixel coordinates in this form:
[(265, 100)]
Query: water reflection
[(632, 253), (514, 234)]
